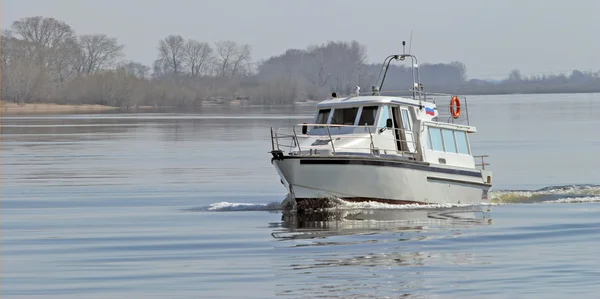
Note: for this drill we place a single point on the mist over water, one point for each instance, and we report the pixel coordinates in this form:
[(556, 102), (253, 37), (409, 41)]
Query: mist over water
[(180, 205)]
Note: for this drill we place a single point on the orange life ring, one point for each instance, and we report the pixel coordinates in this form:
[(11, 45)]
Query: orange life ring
[(455, 107)]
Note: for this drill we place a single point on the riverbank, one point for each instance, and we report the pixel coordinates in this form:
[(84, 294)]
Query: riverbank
[(43, 108), (14, 108)]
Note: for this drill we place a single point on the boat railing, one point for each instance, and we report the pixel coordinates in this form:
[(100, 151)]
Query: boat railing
[(291, 141), (483, 164), (445, 115)]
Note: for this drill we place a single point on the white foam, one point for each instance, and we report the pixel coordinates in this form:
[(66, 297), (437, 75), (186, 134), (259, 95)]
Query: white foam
[(501, 197), (234, 206), (380, 206), (586, 199), (520, 195)]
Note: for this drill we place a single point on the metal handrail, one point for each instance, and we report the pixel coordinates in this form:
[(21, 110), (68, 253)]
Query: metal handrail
[(391, 92), (483, 164), (277, 141), (276, 137), (447, 118), (327, 126), (371, 136), (272, 141), (295, 137), (330, 140)]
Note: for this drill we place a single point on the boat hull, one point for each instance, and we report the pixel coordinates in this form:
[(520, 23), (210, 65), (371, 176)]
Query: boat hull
[(383, 180)]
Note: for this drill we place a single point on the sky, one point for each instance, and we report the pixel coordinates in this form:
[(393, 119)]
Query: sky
[(491, 37)]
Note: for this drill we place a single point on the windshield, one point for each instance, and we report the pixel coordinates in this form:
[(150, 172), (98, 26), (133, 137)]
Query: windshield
[(344, 116), (367, 116), (322, 117)]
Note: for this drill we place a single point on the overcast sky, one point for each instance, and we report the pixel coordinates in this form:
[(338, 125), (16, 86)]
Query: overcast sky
[(490, 36)]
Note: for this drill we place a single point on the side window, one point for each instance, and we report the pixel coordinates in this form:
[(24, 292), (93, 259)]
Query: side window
[(344, 116), (461, 141), (323, 116), (449, 144), (435, 134), (429, 146), (367, 116), (450, 141), (383, 116)]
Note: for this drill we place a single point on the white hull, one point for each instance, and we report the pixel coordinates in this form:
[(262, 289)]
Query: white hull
[(377, 179)]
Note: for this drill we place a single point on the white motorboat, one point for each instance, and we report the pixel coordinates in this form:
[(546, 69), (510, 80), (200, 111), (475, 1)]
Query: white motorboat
[(387, 148)]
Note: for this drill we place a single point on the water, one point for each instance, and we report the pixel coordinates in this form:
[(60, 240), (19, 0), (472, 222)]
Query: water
[(185, 206)]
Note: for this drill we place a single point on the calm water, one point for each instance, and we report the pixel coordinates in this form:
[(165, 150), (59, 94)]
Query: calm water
[(183, 206)]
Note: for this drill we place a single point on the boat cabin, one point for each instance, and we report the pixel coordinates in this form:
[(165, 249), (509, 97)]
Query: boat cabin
[(390, 127)]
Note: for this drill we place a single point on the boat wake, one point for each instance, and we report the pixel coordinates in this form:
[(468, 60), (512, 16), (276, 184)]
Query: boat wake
[(233, 206), (330, 204), (553, 194)]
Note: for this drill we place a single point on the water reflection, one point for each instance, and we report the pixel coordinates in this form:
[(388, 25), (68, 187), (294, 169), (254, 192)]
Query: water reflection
[(334, 222), (374, 253)]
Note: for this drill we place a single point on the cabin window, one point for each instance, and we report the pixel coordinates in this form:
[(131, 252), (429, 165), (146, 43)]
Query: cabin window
[(322, 117), (344, 116), (383, 116), (447, 140), (435, 134), (367, 116), (406, 120), (449, 144), (461, 142), (429, 146)]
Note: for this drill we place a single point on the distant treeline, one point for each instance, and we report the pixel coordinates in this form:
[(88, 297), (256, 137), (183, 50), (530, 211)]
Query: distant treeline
[(43, 60)]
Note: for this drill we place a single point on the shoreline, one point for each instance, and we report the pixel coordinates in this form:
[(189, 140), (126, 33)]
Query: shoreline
[(46, 108), (34, 108)]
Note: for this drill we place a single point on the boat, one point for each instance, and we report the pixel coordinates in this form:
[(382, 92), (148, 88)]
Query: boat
[(395, 147)]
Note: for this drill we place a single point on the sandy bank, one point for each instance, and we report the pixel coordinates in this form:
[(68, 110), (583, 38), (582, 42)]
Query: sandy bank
[(14, 108)]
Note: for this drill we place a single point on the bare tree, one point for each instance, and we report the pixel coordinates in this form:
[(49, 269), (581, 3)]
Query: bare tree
[(225, 51), (241, 61), (171, 53), (22, 76), (160, 69), (343, 61), (232, 58), (48, 34), (198, 57), (98, 51), (64, 61), (515, 76), (314, 70), (123, 86), (135, 69), (4, 40), (21, 80)]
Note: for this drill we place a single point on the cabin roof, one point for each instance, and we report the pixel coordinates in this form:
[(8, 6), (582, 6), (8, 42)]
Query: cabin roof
[(352, 101)]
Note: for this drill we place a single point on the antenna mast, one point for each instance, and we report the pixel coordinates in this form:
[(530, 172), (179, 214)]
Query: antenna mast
[(410, 42), (417, 88)]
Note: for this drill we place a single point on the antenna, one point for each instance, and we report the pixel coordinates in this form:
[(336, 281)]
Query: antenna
[(410, 42)]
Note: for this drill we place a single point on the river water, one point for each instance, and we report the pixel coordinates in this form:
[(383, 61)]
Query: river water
[(185, 206)]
